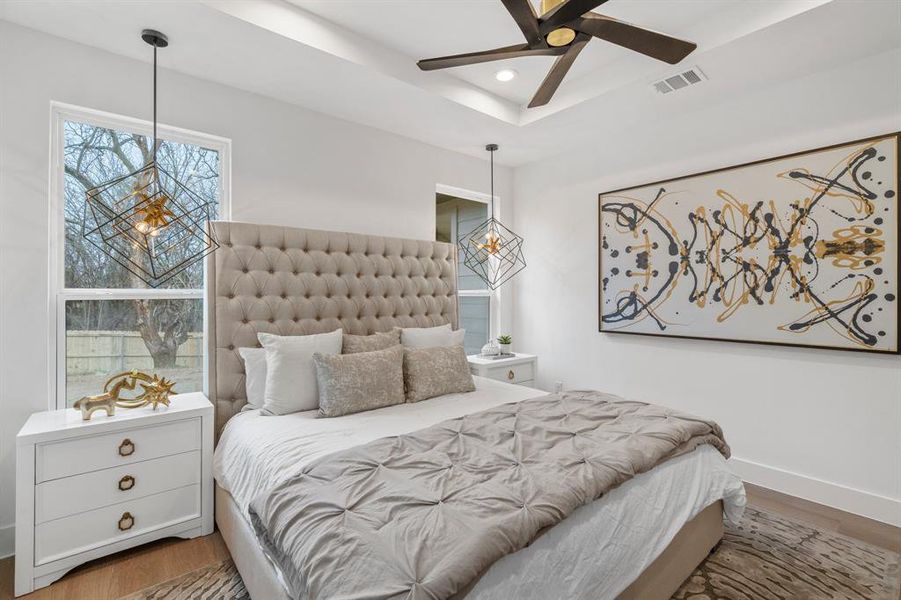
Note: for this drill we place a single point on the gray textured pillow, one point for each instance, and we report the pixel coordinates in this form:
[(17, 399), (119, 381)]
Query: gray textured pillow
[(350, 383), (430, 372), (368, 343)]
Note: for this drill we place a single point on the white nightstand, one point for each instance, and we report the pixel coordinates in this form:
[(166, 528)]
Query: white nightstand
[(85, 489), (520, 369)]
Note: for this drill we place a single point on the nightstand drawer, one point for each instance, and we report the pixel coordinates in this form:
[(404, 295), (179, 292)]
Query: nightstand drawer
[(85, 454), (78, 533), (80, 493), (511, 374)]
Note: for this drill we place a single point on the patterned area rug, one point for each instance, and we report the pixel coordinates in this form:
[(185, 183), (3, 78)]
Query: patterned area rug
[(215, 582), (767, 557)]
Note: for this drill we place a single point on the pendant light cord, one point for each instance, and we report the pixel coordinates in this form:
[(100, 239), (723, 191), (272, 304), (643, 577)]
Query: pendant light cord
[(154, 104), (491, 153), (492, 184)]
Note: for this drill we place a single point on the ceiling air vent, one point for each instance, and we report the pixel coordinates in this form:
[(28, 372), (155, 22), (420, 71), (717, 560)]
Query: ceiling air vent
[(681, 80)]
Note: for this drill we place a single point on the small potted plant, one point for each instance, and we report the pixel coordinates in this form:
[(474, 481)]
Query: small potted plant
[(505, 341)]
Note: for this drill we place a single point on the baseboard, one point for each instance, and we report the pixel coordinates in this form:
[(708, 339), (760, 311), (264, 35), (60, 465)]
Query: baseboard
[(7, 541), (859, 502)]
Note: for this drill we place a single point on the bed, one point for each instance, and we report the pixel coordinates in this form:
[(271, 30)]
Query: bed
[(641, 540)]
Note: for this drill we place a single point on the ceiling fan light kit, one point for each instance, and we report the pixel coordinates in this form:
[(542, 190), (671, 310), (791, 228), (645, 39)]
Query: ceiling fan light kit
[(562, 30)]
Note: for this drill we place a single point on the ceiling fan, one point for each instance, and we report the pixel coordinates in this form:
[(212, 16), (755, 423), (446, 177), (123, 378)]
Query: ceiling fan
[(562, 30)]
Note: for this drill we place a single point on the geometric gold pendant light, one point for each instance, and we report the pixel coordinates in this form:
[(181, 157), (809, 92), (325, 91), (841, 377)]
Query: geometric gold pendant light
[(491, 250), (148, 221)]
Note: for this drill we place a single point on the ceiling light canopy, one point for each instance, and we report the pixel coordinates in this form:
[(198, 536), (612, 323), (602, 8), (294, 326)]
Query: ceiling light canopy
[(505, 75)]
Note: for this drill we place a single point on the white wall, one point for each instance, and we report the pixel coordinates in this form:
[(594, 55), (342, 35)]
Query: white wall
[(289, 166), (825, 425)]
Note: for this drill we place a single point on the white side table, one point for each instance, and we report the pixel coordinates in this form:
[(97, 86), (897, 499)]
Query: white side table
[(520, 369), (85, 489)]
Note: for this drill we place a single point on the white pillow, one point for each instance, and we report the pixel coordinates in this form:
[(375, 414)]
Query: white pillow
[(254, 376), (431, 337), (290, 373)]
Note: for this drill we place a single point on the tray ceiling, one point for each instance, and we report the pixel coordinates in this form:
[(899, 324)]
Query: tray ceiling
[(356, 59)]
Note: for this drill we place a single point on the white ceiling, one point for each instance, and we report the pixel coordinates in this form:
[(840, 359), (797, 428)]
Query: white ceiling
[(443, 27), (355, 59)]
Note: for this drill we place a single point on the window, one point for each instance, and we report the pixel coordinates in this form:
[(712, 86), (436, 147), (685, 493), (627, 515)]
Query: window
[(107, 320), (454, 217)]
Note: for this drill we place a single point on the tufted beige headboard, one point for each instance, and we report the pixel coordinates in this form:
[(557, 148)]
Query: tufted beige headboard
[(292, 281)]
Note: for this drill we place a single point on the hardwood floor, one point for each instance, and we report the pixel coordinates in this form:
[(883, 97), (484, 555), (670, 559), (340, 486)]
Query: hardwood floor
[(127, 572), (826, 517)]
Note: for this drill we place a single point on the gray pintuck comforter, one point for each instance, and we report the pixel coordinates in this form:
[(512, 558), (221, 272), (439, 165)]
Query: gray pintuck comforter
[(422, 515)]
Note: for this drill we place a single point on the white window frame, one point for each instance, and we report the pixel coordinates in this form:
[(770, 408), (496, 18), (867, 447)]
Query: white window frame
[(494, 296), (58, 293)]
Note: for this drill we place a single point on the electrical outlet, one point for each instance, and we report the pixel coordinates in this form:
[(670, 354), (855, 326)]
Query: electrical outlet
[(558, 386)]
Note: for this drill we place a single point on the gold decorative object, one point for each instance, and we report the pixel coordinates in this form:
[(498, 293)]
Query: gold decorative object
[(126, 483), (156, 391), (108, 399), (89, 404)]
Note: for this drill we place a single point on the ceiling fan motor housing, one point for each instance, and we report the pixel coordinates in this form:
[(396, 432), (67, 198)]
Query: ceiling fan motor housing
[(562, 36)]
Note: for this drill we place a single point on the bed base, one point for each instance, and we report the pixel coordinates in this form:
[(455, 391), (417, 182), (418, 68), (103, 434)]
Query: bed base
[(692, 544), (259, 577), (659, 581)]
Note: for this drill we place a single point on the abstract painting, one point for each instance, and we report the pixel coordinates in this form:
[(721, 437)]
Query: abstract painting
[(797, 250)]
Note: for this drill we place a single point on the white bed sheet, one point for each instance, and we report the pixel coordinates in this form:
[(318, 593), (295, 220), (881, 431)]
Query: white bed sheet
[(597, 551)]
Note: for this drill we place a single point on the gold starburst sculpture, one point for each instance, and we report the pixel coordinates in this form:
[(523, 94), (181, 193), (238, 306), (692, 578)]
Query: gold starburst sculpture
[(156, 391)]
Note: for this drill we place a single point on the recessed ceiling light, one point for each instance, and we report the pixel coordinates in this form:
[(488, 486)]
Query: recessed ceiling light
[(505, 75)]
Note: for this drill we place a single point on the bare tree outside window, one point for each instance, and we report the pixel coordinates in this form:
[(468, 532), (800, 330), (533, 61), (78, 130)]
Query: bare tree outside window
[(101, 334)]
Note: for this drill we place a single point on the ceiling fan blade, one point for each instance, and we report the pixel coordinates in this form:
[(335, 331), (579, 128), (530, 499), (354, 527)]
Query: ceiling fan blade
[(566, 12), (650, 43), (472, 58), (524, 15), (558, 72)]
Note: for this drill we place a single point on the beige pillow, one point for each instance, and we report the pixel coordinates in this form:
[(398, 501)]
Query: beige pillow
[(369, 343), (351, 383), (430, 372)]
